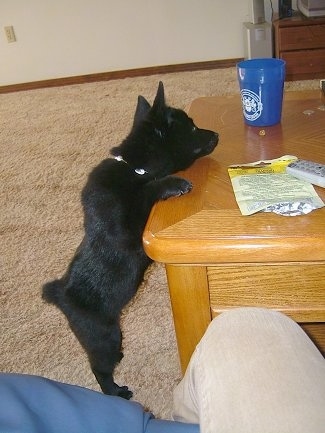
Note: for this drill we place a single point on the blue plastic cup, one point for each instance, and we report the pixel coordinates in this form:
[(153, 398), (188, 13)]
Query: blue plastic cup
[(261, 84)]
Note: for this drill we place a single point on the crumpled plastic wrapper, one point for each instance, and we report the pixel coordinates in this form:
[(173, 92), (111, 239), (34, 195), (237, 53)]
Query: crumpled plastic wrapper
[(292, 209)]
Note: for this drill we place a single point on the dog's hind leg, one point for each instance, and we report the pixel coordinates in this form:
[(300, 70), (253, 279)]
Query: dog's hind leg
[(101, 339), (103, 357)]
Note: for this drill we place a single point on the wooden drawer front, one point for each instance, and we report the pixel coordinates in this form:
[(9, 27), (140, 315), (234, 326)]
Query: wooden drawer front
[(304, 62), (296, 290), (316, 332), (303, 37)]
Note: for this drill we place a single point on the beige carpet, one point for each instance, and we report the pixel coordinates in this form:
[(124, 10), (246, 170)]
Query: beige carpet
[(49, 141)]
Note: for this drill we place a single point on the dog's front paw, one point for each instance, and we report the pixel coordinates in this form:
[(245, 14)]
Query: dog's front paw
[(175, 187)]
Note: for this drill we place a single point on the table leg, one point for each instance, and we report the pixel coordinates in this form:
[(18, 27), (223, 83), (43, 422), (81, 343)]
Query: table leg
[(189, 293)]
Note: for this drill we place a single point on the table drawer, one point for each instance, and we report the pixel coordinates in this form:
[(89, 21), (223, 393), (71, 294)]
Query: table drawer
[(302, 37), (296, 290), (304, 62)]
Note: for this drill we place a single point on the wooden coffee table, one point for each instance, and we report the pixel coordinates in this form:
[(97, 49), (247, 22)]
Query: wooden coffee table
[(217, 259)]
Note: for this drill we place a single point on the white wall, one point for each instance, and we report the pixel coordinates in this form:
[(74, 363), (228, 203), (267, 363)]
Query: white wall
[(62, 38)]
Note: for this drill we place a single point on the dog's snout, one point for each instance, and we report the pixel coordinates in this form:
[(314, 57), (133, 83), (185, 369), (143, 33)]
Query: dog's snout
[(212, 143), (214, 139)]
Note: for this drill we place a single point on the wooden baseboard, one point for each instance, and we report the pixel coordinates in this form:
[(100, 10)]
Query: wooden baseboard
[(114, 75)]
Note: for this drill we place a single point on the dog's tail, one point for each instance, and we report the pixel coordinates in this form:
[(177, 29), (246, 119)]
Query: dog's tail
[(51, 291)]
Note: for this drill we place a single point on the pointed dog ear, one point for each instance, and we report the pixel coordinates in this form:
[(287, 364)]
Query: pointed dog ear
[(141, 111), (159, 101)]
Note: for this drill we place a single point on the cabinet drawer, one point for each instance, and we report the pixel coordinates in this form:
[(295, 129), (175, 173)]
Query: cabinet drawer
[(302, 37), (297, 290), (304, 62)]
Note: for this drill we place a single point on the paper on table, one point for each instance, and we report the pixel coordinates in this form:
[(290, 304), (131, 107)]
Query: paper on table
[(265, 186)]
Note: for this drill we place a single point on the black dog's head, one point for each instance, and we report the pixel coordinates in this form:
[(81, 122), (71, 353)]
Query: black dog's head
[(163, 140)]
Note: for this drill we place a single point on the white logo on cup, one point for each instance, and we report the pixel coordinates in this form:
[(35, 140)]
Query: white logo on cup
[(252, 105)]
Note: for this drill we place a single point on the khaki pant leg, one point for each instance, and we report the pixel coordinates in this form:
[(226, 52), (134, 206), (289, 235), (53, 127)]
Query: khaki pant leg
[(254, 371)]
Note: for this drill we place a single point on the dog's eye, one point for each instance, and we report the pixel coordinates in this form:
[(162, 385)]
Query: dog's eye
[(193, 128)]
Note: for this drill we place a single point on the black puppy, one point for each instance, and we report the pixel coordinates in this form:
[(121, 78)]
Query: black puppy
[(110, 262)]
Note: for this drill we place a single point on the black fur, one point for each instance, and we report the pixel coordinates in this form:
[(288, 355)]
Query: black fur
[(110, 262)]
